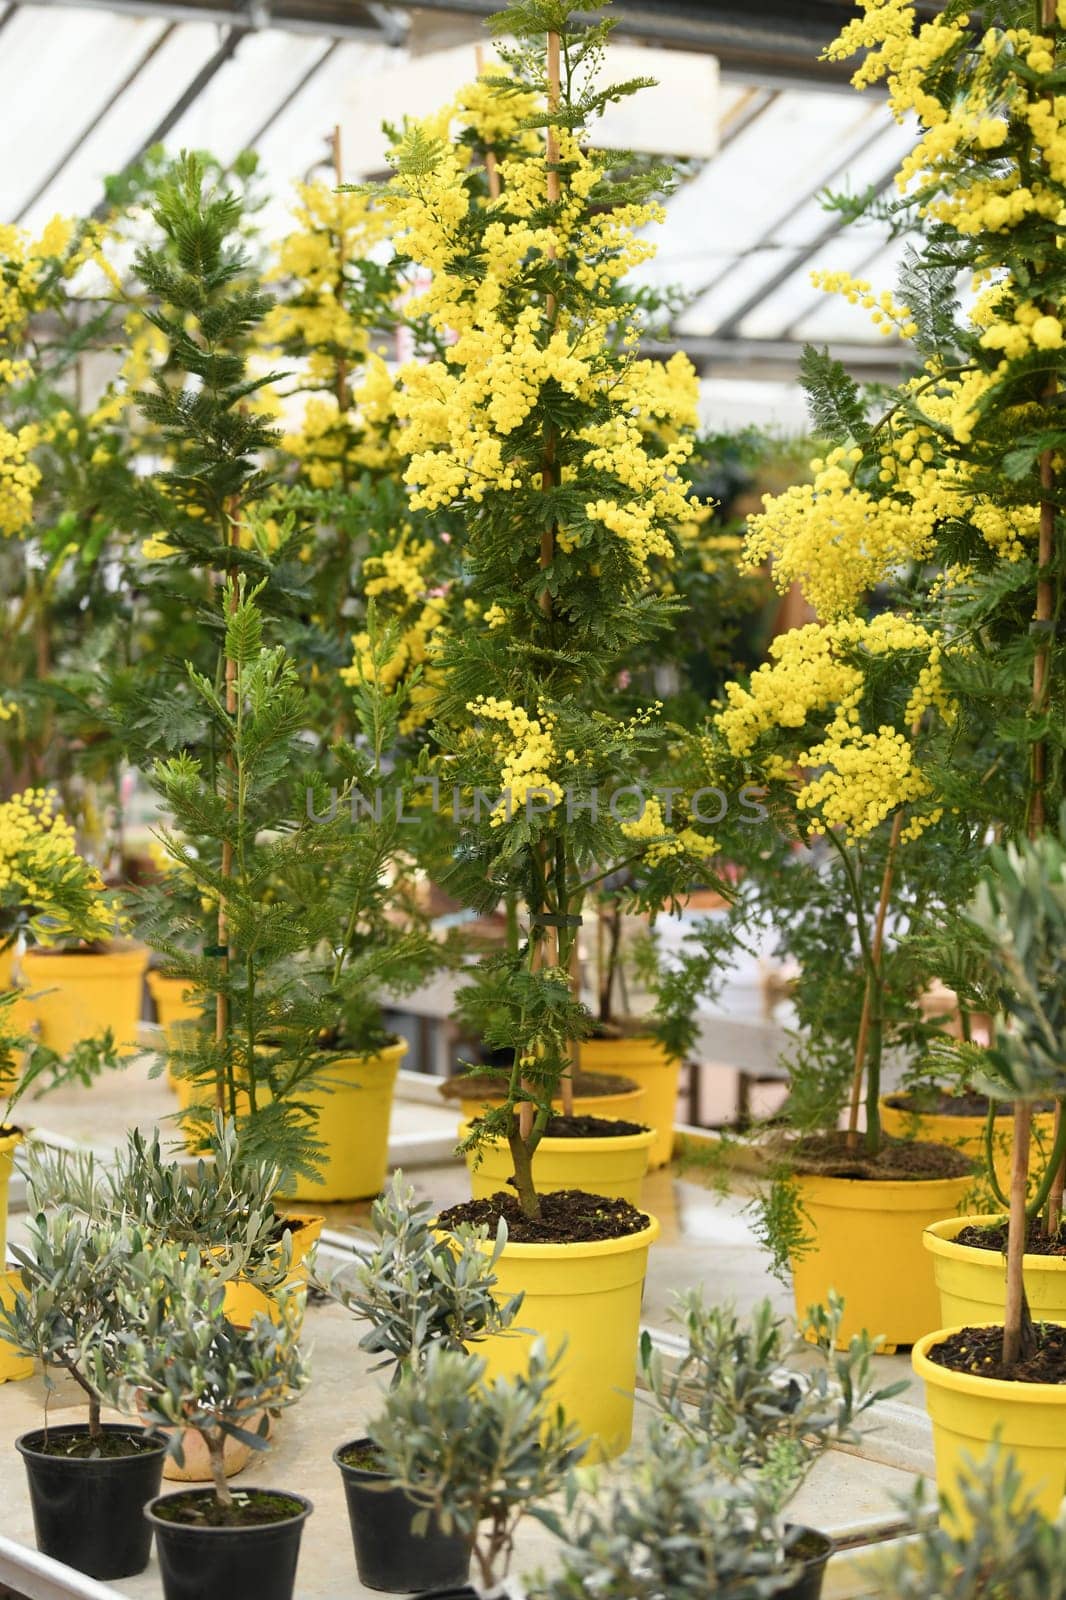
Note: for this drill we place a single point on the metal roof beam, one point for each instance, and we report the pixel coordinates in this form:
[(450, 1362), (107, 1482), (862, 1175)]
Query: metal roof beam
[(91, 126), (768, 41), (336, 19), (196, 85), (776, 358)]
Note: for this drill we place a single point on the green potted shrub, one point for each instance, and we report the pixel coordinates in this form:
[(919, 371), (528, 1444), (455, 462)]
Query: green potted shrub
[(415, 1290), (477, 1455), (671, 1527), (187, 1367), (1006, 1546), (837, 726), (222, 1205), (763, 1395), (88, 1481), (750, 1404), (1005, 1376), (530, 423), (84, 982)]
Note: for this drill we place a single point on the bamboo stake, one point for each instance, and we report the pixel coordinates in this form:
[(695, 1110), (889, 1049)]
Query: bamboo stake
[(343, 395), (1045, 616), (547, 473), (492, 173), (226, 865), (1017, 1329), (1016, 1312)]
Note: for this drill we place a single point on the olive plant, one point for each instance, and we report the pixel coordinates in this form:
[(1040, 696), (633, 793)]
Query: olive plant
[(1018, 916), (762, 1398), (222, 1204), (1002, 1548), (670, 1527), (476, 1457), (417, 1289), (67, 1310), (185, 1365)]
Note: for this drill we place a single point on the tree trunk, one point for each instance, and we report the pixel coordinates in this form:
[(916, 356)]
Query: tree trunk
[(522, 1160), (216, 1453)]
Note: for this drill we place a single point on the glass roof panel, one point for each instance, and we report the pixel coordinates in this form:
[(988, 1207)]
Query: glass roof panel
[(131, 120), (53, 81), (233, 107)]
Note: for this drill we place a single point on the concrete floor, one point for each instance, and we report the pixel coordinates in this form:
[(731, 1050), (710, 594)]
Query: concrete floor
[(706, 1239)]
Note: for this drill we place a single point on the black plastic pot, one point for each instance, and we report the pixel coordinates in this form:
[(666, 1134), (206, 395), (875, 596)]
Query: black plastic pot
[(253, 1563), (813, 1549), (388, 1554), (89, 1513)]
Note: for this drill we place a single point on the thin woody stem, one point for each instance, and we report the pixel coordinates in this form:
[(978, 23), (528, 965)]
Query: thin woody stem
[(873, 978), (226, 865)]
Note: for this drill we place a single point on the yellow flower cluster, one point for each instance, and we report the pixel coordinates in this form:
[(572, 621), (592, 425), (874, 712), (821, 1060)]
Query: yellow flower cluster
[(834, 539), (665, 843), (333, 229), (527, 755), (461, 412), (851, 776), (19, 478), (42, 873), (398, 581)]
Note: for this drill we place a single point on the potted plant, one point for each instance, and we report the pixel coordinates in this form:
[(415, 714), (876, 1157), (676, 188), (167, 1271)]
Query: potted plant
[(1001, 1374), (746, 1403), (223, 1206), (1004, 1546), (837, 725), (526, 424), (477, 1455), (48, 893), (186, 1367), (83, 983), (415, 1290), (764, 1397), (88, 1481), (672, 1527)]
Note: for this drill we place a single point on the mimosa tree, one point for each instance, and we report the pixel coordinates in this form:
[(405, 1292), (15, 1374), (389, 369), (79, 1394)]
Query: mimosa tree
[(960, 473), (530, 424)]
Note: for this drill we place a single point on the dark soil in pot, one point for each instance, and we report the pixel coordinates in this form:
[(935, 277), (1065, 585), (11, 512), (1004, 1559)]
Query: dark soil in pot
[(88, 1499), (592, 1128), (250, 1554), (587, 1085), (1037, 1241), (569, 1216), (813, 1550), (979, 1351), (826, 1155), (942, 1104), (389, 1555)]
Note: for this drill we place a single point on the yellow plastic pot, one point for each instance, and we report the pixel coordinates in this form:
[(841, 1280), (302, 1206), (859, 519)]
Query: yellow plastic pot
[(868, 1246), (585, 1297), (967, 1134), (614, 1167), (645, 1061), (9, 1138), (354, 1108), (972, 1282), (13, 1364), (968, 1413), (628, 1104), (79, 995), (244, 1299)]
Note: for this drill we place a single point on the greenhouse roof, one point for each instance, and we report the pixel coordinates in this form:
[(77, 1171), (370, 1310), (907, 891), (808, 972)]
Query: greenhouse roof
[(87, 88)]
